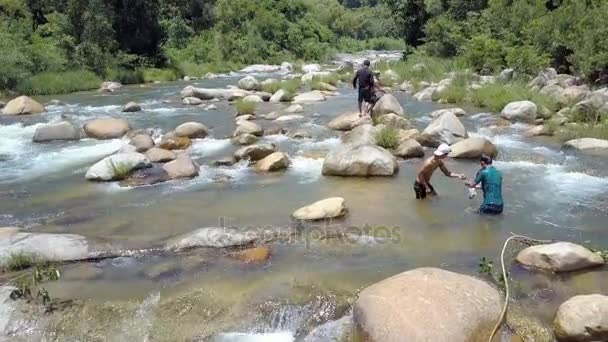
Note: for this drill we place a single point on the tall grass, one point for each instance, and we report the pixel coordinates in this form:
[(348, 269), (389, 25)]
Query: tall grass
[(125, 76), (388, 137), (419, 67), (198, 70), (290, 86), (49, 83), (163, 75), (599, 131), (18, 261), (496, 96), (244, 107)]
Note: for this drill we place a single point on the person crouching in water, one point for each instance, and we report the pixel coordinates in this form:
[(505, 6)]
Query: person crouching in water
[(422, 185), (491, 184)]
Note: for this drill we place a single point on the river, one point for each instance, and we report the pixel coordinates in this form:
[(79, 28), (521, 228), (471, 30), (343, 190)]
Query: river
[(206, 295)]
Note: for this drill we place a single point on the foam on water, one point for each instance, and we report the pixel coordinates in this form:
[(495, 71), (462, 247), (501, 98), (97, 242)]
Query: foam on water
[(209, 146), (137, 327), (308, 170), (15, 138), (277, 138), (253, 337), (325, 144)]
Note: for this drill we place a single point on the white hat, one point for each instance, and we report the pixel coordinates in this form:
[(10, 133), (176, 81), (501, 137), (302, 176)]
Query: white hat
[(442, 150)]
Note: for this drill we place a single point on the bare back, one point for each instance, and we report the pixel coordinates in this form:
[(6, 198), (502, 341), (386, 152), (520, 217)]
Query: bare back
[(428, 167)]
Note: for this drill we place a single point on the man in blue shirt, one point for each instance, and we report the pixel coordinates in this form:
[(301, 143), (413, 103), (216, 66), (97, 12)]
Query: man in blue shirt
[(491, 184)]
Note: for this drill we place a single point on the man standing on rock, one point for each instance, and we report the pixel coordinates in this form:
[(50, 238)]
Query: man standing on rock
[(422, 185), (365, 79), (491, 184)]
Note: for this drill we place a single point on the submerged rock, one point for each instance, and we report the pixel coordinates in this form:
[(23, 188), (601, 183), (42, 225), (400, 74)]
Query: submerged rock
[(296, 108), (254, 152), (63, 130), (211, 237), (300, 134), (181, 167), (427, 304), (583, 318), (106, 128), (244, 139), (473, 148), (455, 111), (23, 105), (524, 111), (117, 166), (409, 149), (361, 161), (445, 129), (171, 141), (147, 176), (192, 130), (131, 107), (159, 155), (273, 162), (258, 254), (559, 257), (324, 209), (209, 94), (311, 96), (192, 101)]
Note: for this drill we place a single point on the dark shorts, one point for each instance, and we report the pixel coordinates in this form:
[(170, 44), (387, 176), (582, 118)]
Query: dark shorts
[(490, 209), (420, 190), (365, 95)]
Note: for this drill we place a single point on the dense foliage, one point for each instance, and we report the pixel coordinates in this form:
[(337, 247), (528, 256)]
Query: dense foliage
[(47, 44)]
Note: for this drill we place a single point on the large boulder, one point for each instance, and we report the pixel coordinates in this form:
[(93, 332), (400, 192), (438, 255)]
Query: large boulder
[(107, 128), (473, 148), (209, 94), (249, 83), (446, 129), (280, 96), (394, 120), (425, 94), (63, 130), (22, 105), (171, 141), (181, 167), (110, 86), (409, 149), (192, 130), (405, 135), (582, 318), (387, 104), (276, 161), (325, 209), (559, 257), (254, 152), (361, 135), (347, 121), (159, 155), (360, 161), (427, 304), (216, 237), (524, 111), (248, 127), (142, 142), (311, 96), (587, 145), (117, 166), (575, 94), (131, 107), (439, 112)]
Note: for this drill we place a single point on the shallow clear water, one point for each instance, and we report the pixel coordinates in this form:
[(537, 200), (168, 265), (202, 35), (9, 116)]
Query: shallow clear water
[(548, 194)]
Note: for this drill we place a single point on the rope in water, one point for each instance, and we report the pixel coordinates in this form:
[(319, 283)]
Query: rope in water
[(523, 239)]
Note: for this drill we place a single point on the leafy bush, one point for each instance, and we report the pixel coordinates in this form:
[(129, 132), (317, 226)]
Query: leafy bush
[(570, 132), (419, 67), (18, 262), (484, 53), (164, 75), (527, 59), (496, 96), (125, 76), (244, 107), (49, 83), (388, 137)]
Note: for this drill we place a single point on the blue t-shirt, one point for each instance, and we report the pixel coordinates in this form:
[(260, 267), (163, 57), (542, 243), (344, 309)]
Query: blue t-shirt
[(491, 183)]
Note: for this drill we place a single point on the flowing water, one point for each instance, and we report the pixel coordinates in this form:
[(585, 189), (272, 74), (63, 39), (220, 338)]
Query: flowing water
[(308, 282)]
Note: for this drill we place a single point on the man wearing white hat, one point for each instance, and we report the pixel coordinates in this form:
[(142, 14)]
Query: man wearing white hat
[(422, 185)]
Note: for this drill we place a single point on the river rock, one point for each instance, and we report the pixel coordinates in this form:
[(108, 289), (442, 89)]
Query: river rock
[(159, 155), (258, 254), (62, 130), (147, 176), (249, 83), (192, 101), (360, 161), (292, 117), (117, 166), (324, 209), (425, 94), (300, 134), (192, 130), (248, 127), (216, 237), (275, 130), (575, 94), (524, 111), (409, 149), (296, 108), (407, 87), (246, 117), (395, 121), (538, 131), (107, 128), (244, 139), (142, 142), (326, 87), (361, 135), (260, 68), (171, 141), (559, 257), (405, 135), (254, 152), (347, 121), (582, 318), (427, 304), (110, 86), (387, 104), (253, 98), (209, 94), (506, 75), (181, 167), (473, 148), (269, 81), (587, 145), (311, 96), (280, 96), (22, 105), (131, 107), (445, 129), (455, 111), (276, 161)]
